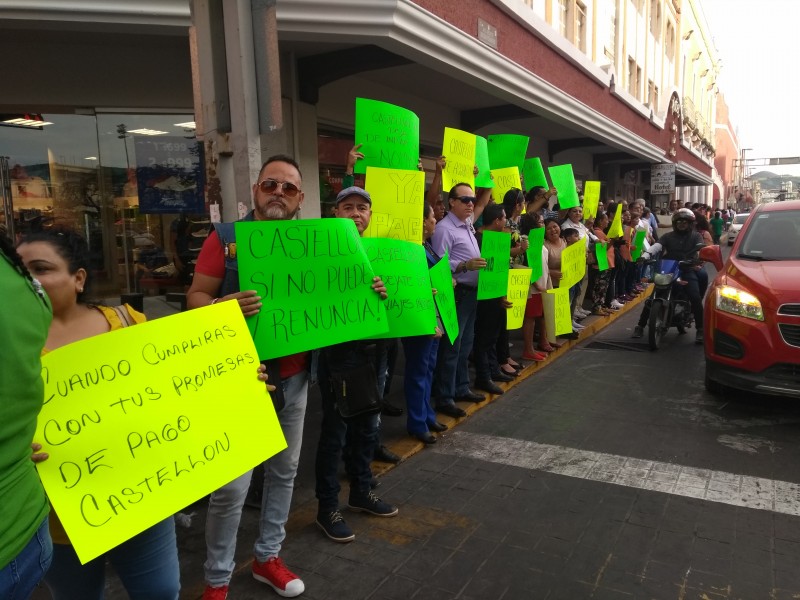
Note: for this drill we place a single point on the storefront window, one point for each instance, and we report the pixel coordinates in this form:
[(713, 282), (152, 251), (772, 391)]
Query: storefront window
[(131, 184)]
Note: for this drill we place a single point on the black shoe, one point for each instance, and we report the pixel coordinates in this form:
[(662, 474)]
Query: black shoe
[(698, 337), (389, 410), (502, 377), (437, 427), (489, 386), (570, 336), (451, 411), (332, 523), (426, 437), (638, 332), (373, 483), (471, 396), (383, 454), (371, 504)]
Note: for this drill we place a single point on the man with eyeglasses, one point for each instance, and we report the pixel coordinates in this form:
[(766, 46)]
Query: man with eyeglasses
[(277, 195), (455, 235)]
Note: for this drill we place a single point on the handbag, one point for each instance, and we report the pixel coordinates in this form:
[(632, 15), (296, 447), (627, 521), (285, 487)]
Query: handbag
[(356, 390)]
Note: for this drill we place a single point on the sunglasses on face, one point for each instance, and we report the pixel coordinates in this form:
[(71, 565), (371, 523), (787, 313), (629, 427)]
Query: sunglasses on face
[(466, 199), (268, 186)]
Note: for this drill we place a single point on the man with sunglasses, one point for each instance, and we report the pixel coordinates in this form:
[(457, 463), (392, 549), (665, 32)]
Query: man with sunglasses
[(455, 235), (277, 195)]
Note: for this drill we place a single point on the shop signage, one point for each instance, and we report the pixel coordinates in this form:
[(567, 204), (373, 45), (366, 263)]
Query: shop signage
[(662, 178), (169, 175)]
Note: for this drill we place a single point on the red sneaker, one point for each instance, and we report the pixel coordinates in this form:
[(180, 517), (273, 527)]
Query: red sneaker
[(215, 593), (275, 574)]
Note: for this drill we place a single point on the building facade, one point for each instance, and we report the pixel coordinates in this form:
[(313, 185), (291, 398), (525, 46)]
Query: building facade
[(159, 113)]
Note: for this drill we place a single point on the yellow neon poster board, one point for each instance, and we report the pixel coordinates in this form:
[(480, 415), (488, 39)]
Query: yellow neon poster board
[(458, 148), (504, 180), (615, 231), (519, 282), (397, 200), (143, 421), (559, 317), (591, 199), (573, 264)]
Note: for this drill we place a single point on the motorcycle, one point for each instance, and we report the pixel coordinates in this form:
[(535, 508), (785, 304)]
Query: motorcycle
[(669, 303)]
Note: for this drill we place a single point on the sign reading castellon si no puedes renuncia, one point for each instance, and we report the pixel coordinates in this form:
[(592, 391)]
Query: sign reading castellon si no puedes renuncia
[(662, 178)]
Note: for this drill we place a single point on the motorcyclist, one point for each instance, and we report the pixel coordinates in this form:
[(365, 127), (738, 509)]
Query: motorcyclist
[(679, 244)]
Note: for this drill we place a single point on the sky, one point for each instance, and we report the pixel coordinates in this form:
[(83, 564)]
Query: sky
[(758, 43)]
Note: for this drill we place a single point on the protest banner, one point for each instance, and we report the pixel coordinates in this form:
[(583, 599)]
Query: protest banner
[(484, 177), (504, 180), (442, 281), (573, 264), (533, 174), (507, 150), (143, 421), (638, 244), (314, 280), (403, 267), (493, 278), (534, 252), (558, 315), (397, 200), (591, 199), (615, 231), (601, 252), (564, 181), (388, 134), (458, 148), (519, 282)]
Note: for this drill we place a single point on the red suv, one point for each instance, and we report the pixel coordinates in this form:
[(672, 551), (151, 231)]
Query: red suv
[(752, 310)]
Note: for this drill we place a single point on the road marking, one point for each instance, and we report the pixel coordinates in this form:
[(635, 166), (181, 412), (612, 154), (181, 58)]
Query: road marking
[(704, 484)]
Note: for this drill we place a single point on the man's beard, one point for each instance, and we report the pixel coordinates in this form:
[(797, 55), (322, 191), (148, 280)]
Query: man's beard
[(276, 212)]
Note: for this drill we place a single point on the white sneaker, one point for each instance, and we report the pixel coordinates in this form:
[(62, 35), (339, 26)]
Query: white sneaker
[(615, 305), (583, 312), (577, 326)]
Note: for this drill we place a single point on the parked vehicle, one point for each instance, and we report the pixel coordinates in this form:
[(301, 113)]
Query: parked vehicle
[(736, 226), (669, 303), (752, 310)]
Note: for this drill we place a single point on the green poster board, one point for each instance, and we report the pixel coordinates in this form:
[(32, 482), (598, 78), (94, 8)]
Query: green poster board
[(638, 244), (442, 282), (507, 150), (573, 264), (388, 134), (403, 267), (519, 283), (493, 278), (564, 181), (459, 149), (534, 252), (533, 174), (601, 252), (591, 199), (484, 178), (315, 283)]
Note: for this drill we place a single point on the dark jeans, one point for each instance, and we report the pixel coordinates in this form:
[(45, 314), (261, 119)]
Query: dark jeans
[(19, 577), (147, 564), (692, 290), (420, 356), (359, 433), (451, 377), (488, 320)]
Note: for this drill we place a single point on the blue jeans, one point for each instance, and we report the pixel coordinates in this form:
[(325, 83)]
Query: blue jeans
[(19, 577), (420, 353), (225, 506), (451, 378), (147, 565), (359, 434)]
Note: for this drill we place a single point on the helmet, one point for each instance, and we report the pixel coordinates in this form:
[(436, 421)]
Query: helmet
[(683, 214)]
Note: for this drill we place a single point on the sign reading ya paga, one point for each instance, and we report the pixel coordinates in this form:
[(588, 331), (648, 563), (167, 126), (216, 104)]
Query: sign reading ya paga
[(143, 421)]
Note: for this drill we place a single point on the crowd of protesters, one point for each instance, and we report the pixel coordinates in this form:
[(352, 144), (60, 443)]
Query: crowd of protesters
[(437, 373)]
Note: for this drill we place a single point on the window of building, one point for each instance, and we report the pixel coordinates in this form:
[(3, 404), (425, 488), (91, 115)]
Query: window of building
[(634, 76), (652, 94), (669, 42), (611, 43), (639, 6), (562, 17), (579, 33), (655, 19), (572, 22)]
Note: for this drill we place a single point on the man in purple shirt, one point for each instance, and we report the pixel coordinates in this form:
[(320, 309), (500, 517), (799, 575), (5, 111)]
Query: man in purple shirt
[(455, 235)]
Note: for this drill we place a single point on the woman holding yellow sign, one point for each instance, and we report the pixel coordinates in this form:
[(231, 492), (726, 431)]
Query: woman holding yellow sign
[(147, 564)]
